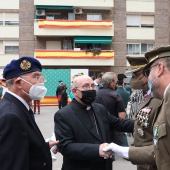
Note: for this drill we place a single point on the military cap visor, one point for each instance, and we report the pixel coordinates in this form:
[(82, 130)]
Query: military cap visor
[(136, 63), (134, 70), (153, 55)]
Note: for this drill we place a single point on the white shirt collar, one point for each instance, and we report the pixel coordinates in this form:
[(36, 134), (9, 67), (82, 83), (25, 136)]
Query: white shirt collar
[(166, 89), (19, 98)]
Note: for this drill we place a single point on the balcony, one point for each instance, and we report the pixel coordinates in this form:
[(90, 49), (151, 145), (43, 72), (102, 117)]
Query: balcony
[(75, 58), (98, 4), (140, 33), (9, 32), (73, 28)]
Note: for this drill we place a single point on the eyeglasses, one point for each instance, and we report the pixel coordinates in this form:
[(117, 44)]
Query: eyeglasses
[(147, 71), (136, 75), (39, 78), (88, 86)]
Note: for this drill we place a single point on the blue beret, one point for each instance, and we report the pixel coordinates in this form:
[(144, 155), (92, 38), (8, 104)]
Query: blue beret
[(21, 66)]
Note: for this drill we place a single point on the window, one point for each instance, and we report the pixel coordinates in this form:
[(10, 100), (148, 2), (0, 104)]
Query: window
[(140, 21), (137, 49), (9, 18), (11, 47), (146, 47), (53, 16), (133, 21), (133, 49), (147, 21), (95, 17)]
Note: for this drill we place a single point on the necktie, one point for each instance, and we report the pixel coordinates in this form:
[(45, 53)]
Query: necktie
[(31, 113)]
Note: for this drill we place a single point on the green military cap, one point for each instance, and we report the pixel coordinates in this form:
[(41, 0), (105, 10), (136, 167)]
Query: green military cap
[(155, 54), (136, 63)]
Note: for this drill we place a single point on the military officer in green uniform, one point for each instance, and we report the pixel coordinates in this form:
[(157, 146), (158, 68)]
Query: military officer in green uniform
[(143, 128), (158, 72)]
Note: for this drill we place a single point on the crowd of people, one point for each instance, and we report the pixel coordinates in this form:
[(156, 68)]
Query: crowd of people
[(91, 129)]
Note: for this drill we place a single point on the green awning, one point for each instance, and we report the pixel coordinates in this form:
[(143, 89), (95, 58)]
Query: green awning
[(53, 7), (93, 40)]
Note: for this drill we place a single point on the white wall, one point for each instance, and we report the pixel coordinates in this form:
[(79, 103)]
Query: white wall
[(9, 4), (6, 58), (140, 6), (141, 33), (9, 31)]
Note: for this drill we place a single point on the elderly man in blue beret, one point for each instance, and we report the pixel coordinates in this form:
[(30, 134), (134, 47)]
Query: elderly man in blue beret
[(22, 146)]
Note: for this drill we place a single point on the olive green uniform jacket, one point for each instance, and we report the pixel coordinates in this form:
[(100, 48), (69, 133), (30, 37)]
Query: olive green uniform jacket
[(143, 135), (161, 131)]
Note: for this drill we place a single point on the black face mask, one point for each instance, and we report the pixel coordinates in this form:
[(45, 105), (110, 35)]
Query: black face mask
[(88, 96)]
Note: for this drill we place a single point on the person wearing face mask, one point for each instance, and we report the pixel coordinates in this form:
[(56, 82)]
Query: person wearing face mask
[(144, 119), (158, 72), (83, 128), (22, 145), (112, 101), (138, 82)]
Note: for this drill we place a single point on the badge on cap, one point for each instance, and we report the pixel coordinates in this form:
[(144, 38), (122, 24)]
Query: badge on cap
[(25, 65)]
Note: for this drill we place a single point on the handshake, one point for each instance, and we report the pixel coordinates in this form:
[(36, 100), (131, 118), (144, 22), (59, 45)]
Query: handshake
[(107, 150)]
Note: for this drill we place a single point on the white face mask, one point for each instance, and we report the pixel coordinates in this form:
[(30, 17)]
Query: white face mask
[(37, 91)]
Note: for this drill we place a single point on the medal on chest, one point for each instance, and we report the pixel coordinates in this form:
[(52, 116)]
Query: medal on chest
[(143, 120)]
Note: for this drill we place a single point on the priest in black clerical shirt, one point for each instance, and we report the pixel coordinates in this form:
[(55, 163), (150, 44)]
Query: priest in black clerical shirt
[(83, 129)]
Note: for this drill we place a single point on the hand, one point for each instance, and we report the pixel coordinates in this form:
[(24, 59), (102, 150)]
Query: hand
[(118, 150), (52, 143), (103, 153)]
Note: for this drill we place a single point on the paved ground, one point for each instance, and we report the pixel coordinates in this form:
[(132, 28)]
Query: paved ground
[(45, 122)]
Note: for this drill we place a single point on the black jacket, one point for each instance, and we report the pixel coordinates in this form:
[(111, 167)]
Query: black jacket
[(79, 144), (22, 146)]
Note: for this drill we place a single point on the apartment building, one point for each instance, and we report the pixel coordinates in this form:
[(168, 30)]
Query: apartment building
[(92, 34)]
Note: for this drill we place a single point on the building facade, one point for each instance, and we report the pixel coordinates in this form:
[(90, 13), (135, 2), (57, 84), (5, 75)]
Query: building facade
[(92, 34)]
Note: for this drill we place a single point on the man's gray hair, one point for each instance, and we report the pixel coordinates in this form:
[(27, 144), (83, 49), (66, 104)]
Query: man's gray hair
[(166, 62), (9, 82), (107, 77)]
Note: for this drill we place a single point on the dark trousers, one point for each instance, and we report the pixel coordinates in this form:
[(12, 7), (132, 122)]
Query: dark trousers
[(59, 105), (37, 104)]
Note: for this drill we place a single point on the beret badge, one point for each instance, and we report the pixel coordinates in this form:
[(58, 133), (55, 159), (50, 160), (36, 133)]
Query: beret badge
[(25, 65)]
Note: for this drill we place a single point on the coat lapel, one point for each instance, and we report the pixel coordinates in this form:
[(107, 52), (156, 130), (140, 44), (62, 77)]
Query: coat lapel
[(84, 119), (157, 113), (145, 102), (99, 120)]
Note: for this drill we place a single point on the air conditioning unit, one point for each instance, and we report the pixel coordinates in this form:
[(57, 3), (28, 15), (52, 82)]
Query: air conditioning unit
[(78, 11), (40, 12)]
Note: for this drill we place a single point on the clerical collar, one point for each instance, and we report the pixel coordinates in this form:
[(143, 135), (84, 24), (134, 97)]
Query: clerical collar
[(88, 108), (80, 105)]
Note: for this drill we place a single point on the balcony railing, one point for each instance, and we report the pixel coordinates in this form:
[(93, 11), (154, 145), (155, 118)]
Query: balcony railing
[(75, 24), (82, 54)]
